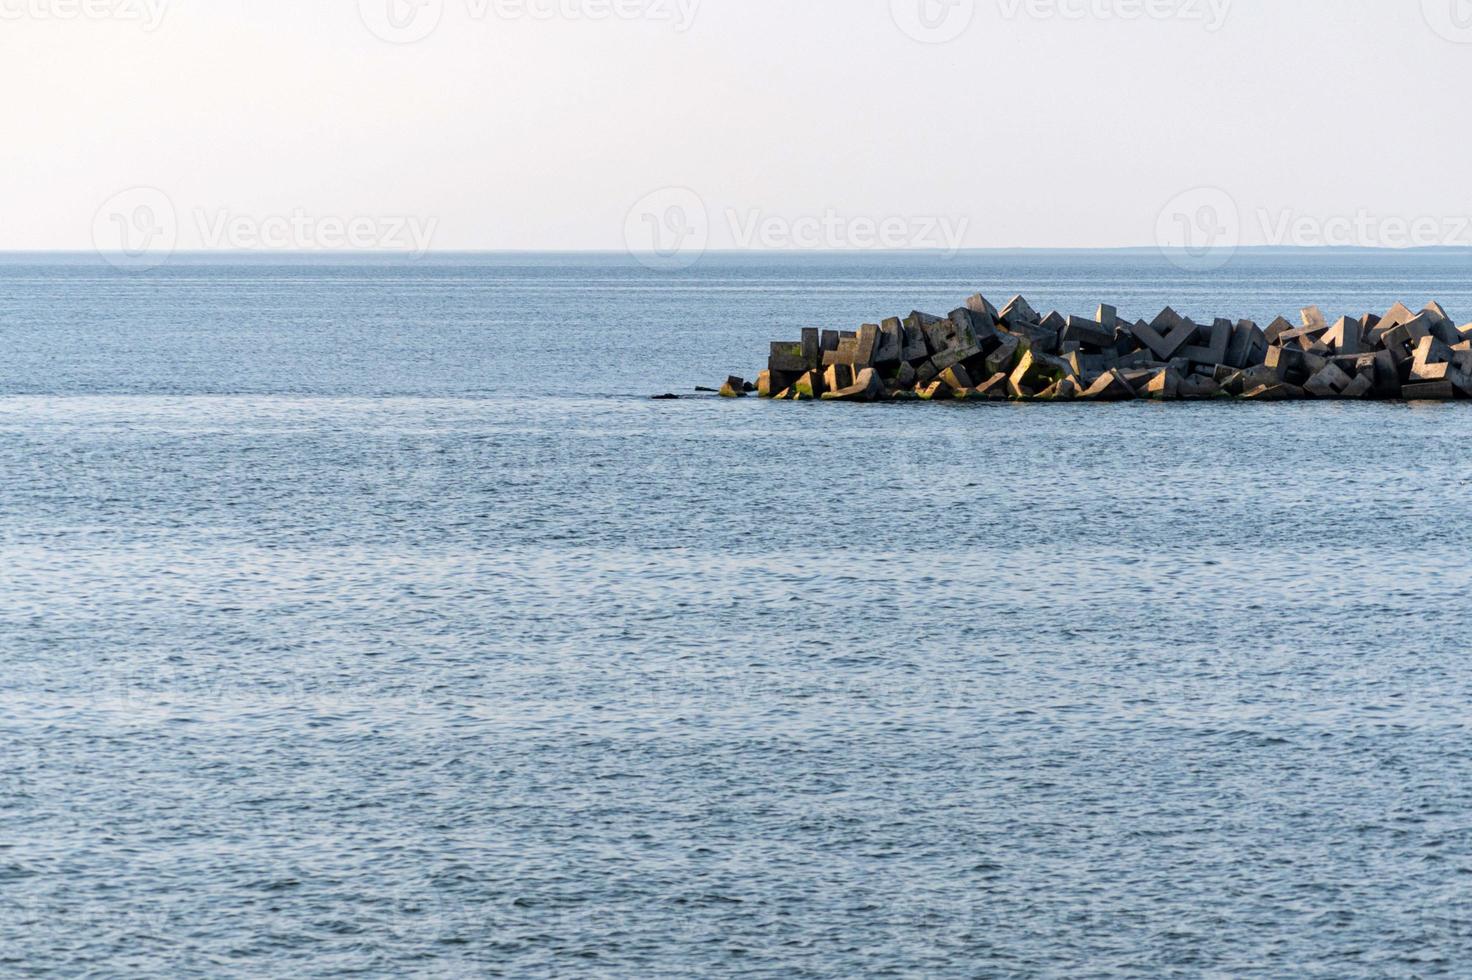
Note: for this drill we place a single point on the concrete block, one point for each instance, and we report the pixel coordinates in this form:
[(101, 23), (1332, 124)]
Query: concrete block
[(1248, 345), (959, 330), (1399, 344), (1431, 361), (1004, 358), (1328, 382), (838, 377), (1166, 321), (891, 346), (1260, 376), (1090, 333), (1303, 338), (1063, 391), (1198, 387), (734, 388), (812, 348), (915, 349), (867, 387), (1290, 363), (827, 342), (1344, 337), (1107, 317), (1054, 321), (1166, 347), (946, 358), (1361, 386), (1036, 371), (1070, 356), (1215, 350), (1276, 329), (1438, 311), (1042, 338), (1138, 378), (847, 353), (787, 357), (1395, 316), (1444, 330), (936, 391), (1090, 366), (905, 377), (1124, 338), (1165, 385), (1419, 326), (1139, 359), (983, 328), (810, 385), (979, 304), (1429, 391), (956, 377), (1274, 393), (868, 344), (925, 373), (1313, 317), (1110, 386), (993, 389), (1389, 374), (1018, 310)]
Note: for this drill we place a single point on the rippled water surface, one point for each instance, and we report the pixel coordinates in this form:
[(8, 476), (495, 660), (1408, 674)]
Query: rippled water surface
[(370, 619)]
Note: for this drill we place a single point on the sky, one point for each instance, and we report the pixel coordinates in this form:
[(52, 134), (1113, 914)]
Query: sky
[(754, 124)]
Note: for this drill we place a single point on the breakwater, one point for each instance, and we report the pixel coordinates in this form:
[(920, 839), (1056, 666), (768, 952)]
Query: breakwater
[(980, 352)]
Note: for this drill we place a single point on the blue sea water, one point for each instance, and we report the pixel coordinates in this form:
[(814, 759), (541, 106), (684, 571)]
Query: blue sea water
[(367, 618)]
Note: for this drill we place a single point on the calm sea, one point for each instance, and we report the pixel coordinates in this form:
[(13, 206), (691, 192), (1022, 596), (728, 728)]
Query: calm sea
[(368, 618)]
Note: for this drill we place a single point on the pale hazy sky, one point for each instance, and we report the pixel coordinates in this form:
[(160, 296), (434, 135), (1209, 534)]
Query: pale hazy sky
[(537, 124)]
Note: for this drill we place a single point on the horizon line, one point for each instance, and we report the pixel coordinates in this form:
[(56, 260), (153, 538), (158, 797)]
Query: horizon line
[(1224, 251)]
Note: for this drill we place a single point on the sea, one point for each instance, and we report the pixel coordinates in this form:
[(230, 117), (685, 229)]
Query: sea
[(365, 616)]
